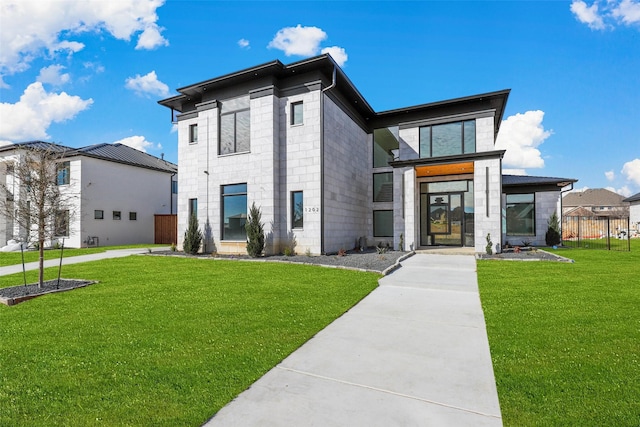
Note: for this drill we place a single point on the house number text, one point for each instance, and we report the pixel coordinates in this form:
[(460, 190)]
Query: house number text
[(312, 209)]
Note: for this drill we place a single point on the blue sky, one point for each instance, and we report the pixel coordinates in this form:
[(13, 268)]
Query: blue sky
[(85, 72)]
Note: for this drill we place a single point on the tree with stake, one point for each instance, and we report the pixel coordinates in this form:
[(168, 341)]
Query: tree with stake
[(34, 200), (255, 232)]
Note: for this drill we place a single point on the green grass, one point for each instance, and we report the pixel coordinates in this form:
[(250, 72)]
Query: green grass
[(12, 258), (565, 338), (159, 341)]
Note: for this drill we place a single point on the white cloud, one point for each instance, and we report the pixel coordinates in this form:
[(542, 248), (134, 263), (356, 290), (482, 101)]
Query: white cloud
[(139, 143), (514, 171), (31, 28), (147, 85), (337, 53), (624, 191), (151, 38), (631, 171), (244, 43), (174, 128), (606, 14), (32, 115), (52, 75), (587, 14), (5, 143), (303, 41), (610, 175), (520, 135), (628, 11)]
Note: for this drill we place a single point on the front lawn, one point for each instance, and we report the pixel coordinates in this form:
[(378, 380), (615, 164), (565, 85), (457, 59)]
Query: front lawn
[(565, 338), (160, 340)]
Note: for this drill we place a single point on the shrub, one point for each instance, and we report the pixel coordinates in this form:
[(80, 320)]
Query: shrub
[(552, 237), (489, 247), (192, 237), (255, 232)]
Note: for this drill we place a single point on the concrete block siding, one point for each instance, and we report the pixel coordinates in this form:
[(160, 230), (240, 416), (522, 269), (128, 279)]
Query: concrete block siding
[(546, 203)]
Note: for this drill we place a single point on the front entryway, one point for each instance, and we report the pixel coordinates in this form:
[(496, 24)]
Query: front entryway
[(446, 213)]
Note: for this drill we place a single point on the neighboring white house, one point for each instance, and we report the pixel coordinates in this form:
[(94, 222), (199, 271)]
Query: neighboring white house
[(634, 211), (114, 192), (330, 173)]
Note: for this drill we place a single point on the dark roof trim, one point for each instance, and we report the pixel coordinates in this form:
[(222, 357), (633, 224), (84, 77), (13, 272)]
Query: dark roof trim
[(634, 198), (497, 154), (526, 180)]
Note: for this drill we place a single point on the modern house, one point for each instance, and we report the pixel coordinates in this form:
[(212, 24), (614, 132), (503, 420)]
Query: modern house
[(329, 173), (113, 192), (634, 211)]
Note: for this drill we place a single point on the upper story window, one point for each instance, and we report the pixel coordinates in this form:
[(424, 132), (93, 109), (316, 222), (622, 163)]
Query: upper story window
[(385, 146), (63, 173), (193, 134), (448, 139), (234, 126), (297, 113)]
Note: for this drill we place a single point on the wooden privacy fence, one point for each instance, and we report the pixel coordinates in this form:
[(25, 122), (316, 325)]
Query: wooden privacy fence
[(166, 229), (596, 232)]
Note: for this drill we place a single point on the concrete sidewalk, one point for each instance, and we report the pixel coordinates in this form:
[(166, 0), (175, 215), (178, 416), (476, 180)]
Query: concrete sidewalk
[(116, 253), (413, 353)]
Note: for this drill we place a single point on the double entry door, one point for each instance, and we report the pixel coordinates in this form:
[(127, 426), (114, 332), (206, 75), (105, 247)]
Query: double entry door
[(442, 219)]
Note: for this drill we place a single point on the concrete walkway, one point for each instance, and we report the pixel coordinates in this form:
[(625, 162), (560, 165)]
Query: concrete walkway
[(116, 253), (412, 353)]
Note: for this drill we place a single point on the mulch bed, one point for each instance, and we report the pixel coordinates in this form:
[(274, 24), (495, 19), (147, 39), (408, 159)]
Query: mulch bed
[(17, 294)]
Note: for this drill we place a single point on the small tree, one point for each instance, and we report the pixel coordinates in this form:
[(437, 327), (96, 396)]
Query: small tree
[(34, 200), (255, 232), (193, 236), (552, 237)]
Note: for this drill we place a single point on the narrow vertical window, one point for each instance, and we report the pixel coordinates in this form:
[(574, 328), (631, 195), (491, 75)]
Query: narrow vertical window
[(193, 134), (297, 209), (193, 207), (133, 216), (62, 223), (297, 113), (63, 173)]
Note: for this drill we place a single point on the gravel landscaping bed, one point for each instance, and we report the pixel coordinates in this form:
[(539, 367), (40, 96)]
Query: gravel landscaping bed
[(369, 260), (16, 294), (529, 255)]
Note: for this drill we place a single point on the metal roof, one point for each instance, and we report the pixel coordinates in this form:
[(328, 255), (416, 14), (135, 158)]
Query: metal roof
[(525, 180), (634, 198), (118, 153)]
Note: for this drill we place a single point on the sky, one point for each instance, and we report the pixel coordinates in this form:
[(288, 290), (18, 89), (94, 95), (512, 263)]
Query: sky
[(79, 73)]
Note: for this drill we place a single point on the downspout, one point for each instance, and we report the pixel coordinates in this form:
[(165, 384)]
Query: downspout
[(331, 86)]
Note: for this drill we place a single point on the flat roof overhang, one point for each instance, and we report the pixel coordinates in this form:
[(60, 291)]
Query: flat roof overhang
[(443, 160)]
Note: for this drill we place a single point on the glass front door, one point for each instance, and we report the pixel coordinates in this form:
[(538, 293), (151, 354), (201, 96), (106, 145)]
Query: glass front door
[(446, 214)]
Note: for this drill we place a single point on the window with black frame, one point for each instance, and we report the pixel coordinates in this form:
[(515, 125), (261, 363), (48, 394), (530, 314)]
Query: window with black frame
[(521, 214), (235, 126)]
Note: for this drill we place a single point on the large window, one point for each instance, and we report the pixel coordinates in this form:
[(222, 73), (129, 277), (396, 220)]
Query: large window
[(383, 223), (297, 113), (385, 146), (521, 214), (234, 126), (297, 209), (193, 134), (234, 212), (383, 187), (61, 224), (63, 170), (448, 139)]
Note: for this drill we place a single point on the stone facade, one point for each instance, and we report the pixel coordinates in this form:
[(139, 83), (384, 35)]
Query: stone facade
[(325, 150)]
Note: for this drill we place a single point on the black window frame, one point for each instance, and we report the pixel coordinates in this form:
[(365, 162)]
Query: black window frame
[(193, 207), (375, 195), (463, 142), (293, 121), (223, 198), (234, 113), (133, 216), (116, 215), (508, 221), (98, 214), (63, 173), (297, 215), (377, 211), (193, 133)]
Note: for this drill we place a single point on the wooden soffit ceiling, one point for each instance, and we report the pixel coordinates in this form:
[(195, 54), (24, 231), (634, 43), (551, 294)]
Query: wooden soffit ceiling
[(448, 169)]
